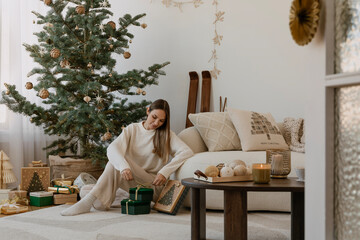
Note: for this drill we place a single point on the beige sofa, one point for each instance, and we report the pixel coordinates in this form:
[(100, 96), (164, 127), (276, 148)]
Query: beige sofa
[(259, 201)]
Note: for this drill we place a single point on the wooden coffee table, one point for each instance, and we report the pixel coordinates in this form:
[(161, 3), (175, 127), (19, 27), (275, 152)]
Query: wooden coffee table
[(235, 205)]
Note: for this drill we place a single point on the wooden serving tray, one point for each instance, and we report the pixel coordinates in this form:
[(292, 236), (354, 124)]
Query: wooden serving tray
[(225, 179)]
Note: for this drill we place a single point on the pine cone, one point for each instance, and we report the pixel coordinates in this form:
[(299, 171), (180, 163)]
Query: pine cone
[(112, 24), (127, 55), (55, 53), (44, 93), (28, 85), (80, 9), (47, 2)]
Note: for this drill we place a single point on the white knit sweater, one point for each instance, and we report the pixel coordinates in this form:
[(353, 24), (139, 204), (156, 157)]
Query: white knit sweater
[(135, 143)]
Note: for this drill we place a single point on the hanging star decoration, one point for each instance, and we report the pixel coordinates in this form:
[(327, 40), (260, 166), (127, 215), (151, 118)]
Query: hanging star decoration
[(104, 3), (102, 27), (42, 52), (99, 99)]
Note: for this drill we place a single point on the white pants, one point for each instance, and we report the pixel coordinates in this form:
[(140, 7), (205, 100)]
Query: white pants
[(110, 180)]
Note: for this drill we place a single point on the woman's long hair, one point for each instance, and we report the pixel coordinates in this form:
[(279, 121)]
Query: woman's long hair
[(162, 134)]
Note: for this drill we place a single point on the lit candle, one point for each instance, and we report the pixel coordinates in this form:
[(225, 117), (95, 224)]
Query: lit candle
[(261, 172)]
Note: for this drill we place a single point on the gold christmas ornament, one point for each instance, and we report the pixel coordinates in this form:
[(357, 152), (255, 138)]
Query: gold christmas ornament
[(7, 92), (89, 65), (44, 93), (65, 63), (127, 55), (304, 20), (80, 9), (55, 53), (111, 46), (143, 93), (87, 99), (47, 2), (110, 75), (130, 41), (138, 91), (112, 24), (144, 25), (28, 85), (77, 27)]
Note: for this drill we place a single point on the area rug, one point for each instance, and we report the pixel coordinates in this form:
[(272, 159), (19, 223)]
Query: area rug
[(46, 224)]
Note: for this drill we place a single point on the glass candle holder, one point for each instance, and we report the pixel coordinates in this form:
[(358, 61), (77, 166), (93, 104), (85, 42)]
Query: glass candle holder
[(261, 172)]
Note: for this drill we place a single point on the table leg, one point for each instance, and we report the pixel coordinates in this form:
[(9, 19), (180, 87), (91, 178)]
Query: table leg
[(297, 216), (198, 214), (235, 215)]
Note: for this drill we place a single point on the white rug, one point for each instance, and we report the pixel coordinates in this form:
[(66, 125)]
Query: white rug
[(49, 224)]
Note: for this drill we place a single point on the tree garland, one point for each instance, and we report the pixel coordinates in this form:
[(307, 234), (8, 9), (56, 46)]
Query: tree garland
[(219, 17)]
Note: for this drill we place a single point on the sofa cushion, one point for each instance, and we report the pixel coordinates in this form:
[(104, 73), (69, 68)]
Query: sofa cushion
[(192, 138), (217, 131), (257, 131)]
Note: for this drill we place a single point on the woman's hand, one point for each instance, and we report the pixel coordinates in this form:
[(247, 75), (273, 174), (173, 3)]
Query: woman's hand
[(126, 173), (159, 180)]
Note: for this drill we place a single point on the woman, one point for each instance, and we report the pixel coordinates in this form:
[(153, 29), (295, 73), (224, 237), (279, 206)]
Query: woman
[(140, 155)]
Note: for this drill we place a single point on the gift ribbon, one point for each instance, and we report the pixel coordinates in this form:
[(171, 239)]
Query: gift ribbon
[(70, 188), (17, 199), (127, 206), (10, 204), (140, 185)]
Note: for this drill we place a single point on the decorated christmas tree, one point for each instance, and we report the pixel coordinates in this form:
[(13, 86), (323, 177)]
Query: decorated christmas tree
[(84, 97), (35, 184), (167, 199)]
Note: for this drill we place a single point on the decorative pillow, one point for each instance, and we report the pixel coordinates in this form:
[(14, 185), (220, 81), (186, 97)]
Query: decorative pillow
[(257, 131), (193, 139), (217, 131)]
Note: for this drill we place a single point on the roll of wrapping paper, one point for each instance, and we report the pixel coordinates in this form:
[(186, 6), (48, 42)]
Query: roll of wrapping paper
[(64, 189)]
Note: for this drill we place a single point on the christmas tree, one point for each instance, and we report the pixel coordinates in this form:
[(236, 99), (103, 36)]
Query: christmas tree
[(167, 199), (35, 184), (85, 97)]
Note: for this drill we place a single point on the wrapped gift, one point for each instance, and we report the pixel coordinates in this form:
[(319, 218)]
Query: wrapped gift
[(41, 198), (9, 207), (141, 193), (35, 179), (17, 193), (4, 194), (134, 207), (65, 198), (64, 189), (37, 164)]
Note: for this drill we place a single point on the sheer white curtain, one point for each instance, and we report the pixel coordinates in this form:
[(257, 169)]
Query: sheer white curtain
[(21, 140)]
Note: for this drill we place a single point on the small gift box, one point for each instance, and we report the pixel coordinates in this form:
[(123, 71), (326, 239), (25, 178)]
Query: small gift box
[(41, 198), (65, 198), (17, 193), (134, 207), (11, 208), (64, 189), (141, 194)]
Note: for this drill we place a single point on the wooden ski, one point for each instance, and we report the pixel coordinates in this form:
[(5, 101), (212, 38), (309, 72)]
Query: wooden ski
[(193, 90), (205, 91)]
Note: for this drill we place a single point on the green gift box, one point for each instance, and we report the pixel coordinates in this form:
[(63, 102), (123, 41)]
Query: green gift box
[(141, 194), (134, 207), (41, 198)]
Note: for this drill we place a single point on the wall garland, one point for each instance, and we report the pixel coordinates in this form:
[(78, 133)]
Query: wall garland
[(217, 39)]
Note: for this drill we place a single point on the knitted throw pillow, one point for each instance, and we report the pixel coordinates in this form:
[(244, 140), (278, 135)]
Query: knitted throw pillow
[(257, 131), (217, 131)]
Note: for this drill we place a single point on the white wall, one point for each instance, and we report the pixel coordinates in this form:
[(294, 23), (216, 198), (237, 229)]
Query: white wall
[(262, 67), (262, 70)]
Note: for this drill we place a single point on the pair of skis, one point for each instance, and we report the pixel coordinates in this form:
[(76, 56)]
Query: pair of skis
[(193, 90)]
